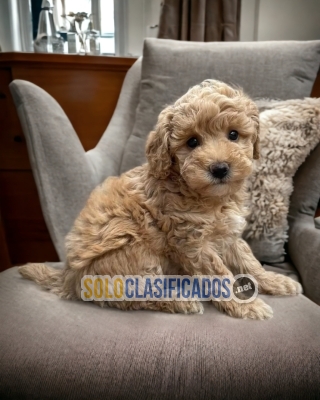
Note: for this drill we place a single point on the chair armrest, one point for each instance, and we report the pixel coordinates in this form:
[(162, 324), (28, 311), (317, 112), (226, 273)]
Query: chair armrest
[(63, 174), (304, 250)]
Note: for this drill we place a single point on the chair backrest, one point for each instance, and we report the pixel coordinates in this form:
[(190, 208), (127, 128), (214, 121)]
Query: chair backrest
[(108, 154)]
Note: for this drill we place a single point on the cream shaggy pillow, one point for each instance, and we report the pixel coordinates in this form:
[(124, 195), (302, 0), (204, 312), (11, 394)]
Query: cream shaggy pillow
[(289, 130)]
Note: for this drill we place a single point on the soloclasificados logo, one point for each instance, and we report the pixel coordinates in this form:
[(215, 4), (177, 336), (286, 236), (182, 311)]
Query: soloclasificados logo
[(241, 288)]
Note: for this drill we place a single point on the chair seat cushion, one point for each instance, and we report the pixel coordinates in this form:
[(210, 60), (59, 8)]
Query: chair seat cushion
[(53, 348)]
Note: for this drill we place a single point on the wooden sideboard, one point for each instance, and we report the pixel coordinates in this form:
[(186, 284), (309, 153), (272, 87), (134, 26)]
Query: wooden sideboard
[(87, 88)]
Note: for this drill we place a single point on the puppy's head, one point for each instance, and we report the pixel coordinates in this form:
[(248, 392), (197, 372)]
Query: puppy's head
[(209, 137)]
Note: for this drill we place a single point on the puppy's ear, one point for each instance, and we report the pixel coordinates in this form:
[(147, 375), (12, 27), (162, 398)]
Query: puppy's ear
[(158, 145), (256, 148), (256, 143)]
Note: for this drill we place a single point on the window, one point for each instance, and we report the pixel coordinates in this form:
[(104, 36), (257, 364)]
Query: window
[(107, 27), (77, 6), (123, 24), (102, 15), (64, 7)]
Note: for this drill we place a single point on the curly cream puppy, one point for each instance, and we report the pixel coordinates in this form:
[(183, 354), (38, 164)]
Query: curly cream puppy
[(180, 213)]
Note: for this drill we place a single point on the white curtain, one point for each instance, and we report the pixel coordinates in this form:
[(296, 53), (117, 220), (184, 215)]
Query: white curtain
[(15, 25)]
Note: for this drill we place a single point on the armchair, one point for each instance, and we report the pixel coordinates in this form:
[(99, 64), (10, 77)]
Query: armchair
[(53, 348)]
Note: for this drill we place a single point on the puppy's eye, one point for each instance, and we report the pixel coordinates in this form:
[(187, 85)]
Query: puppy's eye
[(233, 135), (193, 143)]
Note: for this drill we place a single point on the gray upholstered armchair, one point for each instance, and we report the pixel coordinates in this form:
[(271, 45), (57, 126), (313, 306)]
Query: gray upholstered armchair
[(53, 348)]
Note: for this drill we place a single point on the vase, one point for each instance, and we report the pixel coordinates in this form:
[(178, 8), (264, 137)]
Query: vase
[(93, 42), (48, 39)]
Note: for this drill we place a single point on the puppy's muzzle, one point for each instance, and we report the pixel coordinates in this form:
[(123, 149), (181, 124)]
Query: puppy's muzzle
[(219, 170)]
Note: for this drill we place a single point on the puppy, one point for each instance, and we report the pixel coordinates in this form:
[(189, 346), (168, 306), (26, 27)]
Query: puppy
[(180, 213)]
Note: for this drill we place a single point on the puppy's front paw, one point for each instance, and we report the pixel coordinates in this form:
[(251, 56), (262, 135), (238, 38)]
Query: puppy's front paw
[(190, 307), (278, 285), (256, 309)]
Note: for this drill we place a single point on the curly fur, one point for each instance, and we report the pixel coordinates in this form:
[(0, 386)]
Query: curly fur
[(170, 215)]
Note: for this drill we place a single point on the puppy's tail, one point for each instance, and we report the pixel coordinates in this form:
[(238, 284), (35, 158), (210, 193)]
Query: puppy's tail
[(45, 276)]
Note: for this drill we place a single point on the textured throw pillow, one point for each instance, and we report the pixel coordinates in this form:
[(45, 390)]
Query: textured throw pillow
[(289, 131)]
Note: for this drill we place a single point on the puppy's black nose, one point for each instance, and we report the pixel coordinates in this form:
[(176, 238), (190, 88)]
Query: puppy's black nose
[(219, 170)]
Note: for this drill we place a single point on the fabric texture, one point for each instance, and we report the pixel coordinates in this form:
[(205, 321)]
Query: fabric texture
[(304, 245), (285, 70), (289, 131), (200, 20), (60, 349), (304, 237)]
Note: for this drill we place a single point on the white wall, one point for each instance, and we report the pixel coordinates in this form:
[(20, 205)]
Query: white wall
[(141, 15), (153, 9), (289, 20), (248, 20), (280, 20), (136, 28)]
